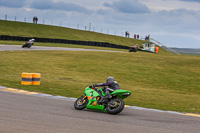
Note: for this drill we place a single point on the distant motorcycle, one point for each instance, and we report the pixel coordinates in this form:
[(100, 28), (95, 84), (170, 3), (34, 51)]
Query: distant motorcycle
[(134, 48), (29, 43)]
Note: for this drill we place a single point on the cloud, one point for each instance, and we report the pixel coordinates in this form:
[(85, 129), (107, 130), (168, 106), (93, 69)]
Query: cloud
[(128, 6), (107, 5), (190, 0), (12, 3), (50, 5)]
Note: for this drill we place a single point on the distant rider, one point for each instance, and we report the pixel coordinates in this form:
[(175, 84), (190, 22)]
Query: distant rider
[(31, 41), (112, 86), (134, 48)]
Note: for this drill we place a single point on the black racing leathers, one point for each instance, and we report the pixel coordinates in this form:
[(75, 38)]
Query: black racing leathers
[(112, 86)]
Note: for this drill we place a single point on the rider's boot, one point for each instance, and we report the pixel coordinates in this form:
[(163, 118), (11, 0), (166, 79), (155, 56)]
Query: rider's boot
[(108, 96), (103, 98)]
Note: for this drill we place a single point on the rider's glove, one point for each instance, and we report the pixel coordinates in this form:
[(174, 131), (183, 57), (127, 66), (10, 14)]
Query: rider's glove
[(94, 85)]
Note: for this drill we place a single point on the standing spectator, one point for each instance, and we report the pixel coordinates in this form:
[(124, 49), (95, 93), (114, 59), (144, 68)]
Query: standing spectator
[(138, 36), (36, 19), (126, 34), (135, 36), (145, 38), (33, 19), (156, 48)]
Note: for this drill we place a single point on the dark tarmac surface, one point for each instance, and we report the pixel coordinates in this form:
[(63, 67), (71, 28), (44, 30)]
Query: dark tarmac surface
[(18, 47), (20, 113)]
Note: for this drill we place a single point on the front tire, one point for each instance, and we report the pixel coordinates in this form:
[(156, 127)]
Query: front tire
[(116, 106), (81, 103)]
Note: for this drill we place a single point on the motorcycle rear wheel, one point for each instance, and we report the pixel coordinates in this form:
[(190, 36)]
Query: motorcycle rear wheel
[(81, 103), (116, 106), (29, 45)]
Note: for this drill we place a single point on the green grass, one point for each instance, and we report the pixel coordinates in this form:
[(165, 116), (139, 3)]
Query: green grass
[(161, 81), (46, 31)]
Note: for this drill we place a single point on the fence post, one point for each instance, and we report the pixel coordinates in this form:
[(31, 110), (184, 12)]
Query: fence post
[(89, 26)]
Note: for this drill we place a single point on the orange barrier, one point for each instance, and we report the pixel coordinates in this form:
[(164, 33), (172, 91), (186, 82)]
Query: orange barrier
[(36, 78), (26, 79), (31, 78)]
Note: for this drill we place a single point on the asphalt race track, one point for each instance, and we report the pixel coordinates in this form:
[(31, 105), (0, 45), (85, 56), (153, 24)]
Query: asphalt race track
[(18, 47), (20, 113)]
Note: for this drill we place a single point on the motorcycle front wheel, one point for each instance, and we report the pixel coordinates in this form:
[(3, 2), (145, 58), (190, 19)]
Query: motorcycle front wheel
[(115, 106), (81, 103), (23, 45)]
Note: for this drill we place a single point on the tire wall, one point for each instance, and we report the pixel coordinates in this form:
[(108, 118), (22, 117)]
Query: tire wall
[(76, 42)]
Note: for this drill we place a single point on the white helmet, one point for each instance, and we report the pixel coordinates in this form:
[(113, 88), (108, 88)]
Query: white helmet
[(33, 39)]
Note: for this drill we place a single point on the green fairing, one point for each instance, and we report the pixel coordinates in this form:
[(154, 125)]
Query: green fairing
[(120, 93), (89, 91)]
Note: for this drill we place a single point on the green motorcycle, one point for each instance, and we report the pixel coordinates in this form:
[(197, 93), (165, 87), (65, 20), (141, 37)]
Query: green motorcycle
[(92, 97)]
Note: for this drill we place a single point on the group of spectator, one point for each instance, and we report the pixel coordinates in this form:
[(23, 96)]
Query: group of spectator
[(127, 34), (147, 38), (35, 20), (136, 36)]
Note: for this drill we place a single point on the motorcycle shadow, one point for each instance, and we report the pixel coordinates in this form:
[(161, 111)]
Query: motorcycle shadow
[(123, 113)]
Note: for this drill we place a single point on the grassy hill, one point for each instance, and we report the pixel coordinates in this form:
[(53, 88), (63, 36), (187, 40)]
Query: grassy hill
[(162, 81), (47, 31)]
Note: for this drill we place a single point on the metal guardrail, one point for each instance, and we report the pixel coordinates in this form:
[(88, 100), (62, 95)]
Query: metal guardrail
[(165, 46)]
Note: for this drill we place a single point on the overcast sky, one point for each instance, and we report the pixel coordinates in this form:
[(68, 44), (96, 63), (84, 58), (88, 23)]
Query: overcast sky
[(175, 23)]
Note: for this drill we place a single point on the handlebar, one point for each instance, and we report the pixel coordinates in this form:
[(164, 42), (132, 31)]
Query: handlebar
[(94, 88)]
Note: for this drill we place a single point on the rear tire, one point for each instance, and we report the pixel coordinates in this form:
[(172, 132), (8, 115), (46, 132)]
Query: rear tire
[(81, 103), (116, 106), (29, 45)]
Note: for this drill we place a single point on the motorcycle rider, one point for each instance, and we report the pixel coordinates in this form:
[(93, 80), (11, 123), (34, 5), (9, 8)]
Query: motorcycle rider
[(31, 41), (112, 86)]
